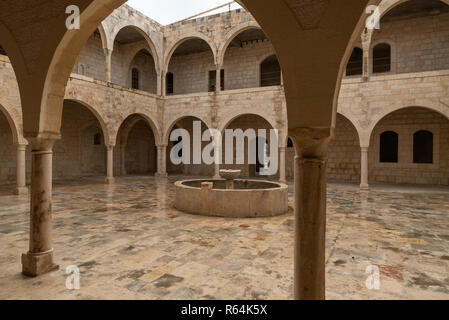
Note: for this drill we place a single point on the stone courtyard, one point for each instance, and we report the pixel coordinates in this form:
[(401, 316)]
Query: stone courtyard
[(130, 243)]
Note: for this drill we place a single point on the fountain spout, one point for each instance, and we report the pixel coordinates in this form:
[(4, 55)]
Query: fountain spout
[(230, 176)]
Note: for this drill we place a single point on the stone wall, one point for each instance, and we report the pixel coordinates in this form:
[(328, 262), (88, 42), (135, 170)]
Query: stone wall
[(406, 122), (7, 153)]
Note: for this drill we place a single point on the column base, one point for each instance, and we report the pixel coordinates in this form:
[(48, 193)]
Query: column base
[(35, 264), (161, 175), (364, 187), (21, 191), (110, 180)]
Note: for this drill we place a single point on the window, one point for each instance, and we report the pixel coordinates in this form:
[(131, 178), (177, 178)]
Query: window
[(289, 143), (97, 139), (81, 69), (2, 51), (355, 64), (389, 147), (135, 79), (270, 72), (212, 80), (423, 147), (382, 58), (222, 79), (170, 86)]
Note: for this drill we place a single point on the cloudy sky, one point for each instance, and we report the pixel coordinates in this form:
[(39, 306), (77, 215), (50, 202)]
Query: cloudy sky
[(169, 11)]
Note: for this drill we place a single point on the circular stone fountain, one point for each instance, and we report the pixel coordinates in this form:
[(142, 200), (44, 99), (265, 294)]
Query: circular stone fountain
[(231, 197)]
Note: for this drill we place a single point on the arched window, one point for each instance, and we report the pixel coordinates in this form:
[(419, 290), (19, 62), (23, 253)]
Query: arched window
[(97, 139), (423, 147), (355, 64), (81, 69), (270, 72), (170, 84), (382, 58), (2, 51), (289, 143), (135, 79), (389, 141)]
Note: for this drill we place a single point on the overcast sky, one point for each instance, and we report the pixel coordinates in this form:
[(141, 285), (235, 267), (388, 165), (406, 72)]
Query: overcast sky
[(169, 11)]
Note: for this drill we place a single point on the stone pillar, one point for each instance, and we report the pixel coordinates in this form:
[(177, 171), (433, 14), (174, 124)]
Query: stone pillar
[(164, 83), (282, 177), (162, 161), (364, 185), (110, 165), (108, 64), (218, 79), (21, 187), (366, 46), (217, 171), (310, 212), (122, 159), (39, 259), (159, 84)]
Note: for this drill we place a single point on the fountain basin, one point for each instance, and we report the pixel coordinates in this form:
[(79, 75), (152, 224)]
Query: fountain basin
[(248, 199)]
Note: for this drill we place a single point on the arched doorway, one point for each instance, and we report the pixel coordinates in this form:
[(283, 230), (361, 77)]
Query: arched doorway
[(195, 129), (81, 151), (254, 164), (136, 151), (7, 152)]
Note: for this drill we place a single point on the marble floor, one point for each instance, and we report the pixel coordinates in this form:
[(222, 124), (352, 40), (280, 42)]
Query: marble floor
[(130, 243)]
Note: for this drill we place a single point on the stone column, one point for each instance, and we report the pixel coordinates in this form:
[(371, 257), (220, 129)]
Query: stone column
[(108, 64), (282, 177), (39, 259), (162, 161), (218, 79), (164, 83), (310, 212), (159, 84), (364, 185), (366, 46), (21, 187), (217, 171), (110, 165)]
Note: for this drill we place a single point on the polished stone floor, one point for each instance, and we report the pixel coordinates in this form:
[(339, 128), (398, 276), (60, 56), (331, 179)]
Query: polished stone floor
[(130, 243)]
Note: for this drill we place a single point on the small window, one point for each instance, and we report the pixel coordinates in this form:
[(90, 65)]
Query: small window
[(355, 64), (135, 79), (382, 58), (289, 143), (97, 139), (212, 80), (423, 147), (270, 72), (81, 69), (2, 51), (222, 79), (170, 83), (389, 142)]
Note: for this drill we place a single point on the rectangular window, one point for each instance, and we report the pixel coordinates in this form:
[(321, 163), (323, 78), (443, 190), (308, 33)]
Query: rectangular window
[(170, 83), (212, 80)]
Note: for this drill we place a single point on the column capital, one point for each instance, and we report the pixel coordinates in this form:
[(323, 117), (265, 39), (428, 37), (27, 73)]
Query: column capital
[(43, 142), (110, 147), (311, 142), (107, 51), (364, 149)]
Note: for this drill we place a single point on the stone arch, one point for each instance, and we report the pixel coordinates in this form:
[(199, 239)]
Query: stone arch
[(259, 66), (234, 32), (176, 43), (150, 41), (105, 39), (353, 121), (148, 119), (432, 106), (100, 117), (386, 5), (173, 123), (227, 121), (16, 135)]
